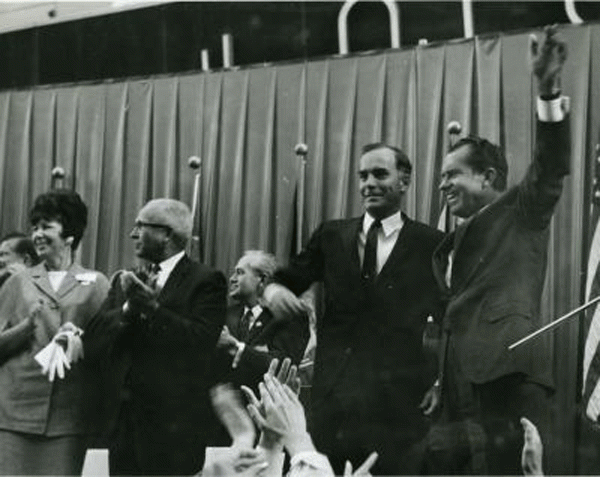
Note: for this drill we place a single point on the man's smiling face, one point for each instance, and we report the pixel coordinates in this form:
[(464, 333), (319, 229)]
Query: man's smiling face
[(381, 183)]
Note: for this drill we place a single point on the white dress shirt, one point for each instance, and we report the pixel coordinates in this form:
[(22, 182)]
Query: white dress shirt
[(388, 234), (241, 346), (166, 267), (310, 464)]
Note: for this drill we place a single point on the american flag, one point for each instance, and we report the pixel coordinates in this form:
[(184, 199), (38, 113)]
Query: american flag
[(591, 354)]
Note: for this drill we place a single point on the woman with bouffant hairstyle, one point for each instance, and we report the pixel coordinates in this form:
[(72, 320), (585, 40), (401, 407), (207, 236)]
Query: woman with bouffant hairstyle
[(43, 311)]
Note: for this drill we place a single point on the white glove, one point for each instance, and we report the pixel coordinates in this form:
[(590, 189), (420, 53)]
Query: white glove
[(64, 349), (58, 364)]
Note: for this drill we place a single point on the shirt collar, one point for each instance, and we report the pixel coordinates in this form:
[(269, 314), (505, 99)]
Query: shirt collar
[(256, 310), (167, 266), (389, 225)]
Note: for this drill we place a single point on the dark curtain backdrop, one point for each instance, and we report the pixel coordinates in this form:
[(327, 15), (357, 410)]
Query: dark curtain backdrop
[(122, 143)]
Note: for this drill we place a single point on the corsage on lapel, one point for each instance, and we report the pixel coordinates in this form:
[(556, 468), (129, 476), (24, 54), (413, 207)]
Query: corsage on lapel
[(85, 278)]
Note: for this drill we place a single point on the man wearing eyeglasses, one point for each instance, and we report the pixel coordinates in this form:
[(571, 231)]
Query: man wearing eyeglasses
[(155, 336)]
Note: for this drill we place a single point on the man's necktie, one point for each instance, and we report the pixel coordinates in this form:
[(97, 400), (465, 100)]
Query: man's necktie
[(153, 271), (369, 268), (244, 326)]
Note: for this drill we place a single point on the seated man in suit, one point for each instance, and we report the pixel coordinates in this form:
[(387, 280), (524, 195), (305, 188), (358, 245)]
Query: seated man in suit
[(16, 253), (154, 338), (252, 337)]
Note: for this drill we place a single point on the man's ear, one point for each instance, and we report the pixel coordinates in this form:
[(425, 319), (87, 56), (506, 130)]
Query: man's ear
[(28, 260), (405, 178), (489, 177)]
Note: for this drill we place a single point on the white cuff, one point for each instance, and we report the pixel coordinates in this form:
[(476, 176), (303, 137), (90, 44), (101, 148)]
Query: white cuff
[(552, 110), (126, 307), (313, 459), (238, 354)]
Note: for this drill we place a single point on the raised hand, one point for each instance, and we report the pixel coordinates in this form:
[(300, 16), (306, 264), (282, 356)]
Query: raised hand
[(531, 457), (281, 301), (234, 461), (431, 400), (141, 296), (283, 415), (287, 375), (231, 412), (547, 61), (364, 470)]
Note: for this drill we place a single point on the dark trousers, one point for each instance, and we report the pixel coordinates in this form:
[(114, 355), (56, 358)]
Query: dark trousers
[(351, 435), (142, 445), (479, 431)]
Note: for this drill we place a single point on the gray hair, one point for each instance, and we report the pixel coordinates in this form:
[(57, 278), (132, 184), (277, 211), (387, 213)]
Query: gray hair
[(173, 214), (262, 263)]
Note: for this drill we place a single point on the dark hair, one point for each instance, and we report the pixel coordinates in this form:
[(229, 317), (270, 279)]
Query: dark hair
[(402, 161), (484, 154), (23, 245), (64, 206)]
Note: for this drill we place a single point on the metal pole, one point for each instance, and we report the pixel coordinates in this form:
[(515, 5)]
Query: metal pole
[(555, 323), (301, 150), (58, 178), (195, 164), (467, 11)]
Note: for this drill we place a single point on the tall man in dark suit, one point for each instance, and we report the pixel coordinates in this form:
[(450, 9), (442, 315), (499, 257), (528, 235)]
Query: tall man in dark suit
[(252, 336), (155, 335), (370, 366), (493, 267)]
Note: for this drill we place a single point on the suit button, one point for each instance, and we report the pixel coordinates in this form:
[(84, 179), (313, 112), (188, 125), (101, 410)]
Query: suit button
[(390, 286), (348, 351)]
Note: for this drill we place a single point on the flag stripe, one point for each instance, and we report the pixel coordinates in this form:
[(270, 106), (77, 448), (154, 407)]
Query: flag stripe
[(593, 404), (591, 352), (592, 325), (592, 376)]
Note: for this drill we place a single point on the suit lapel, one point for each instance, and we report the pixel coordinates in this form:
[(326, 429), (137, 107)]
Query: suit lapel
[(440, 260), (466, 264), (259, 325), (233, 317), (70, 281), (350, 234), (39, 277), (177, 275)]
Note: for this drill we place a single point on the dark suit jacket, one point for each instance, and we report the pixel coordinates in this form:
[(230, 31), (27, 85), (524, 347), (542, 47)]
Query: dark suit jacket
[(157, 369), (370, 369), (285, 337), (499, 268)]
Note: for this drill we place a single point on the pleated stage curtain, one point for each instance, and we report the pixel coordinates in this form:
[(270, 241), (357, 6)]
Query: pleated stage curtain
[(123, 143)]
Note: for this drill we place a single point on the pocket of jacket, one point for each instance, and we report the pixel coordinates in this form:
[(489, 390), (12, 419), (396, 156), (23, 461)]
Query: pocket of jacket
[(498, 311)]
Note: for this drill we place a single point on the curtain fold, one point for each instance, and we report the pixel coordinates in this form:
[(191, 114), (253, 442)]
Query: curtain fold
[(123, 143), (267, 197), (89, 158), (317, 108), (290, 128), (4, 115), (430, 128), (112, 227), (42, 147), (487, 102)]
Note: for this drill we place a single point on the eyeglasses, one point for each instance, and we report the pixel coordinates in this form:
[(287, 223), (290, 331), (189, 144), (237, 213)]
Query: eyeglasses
[(139, 224)]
